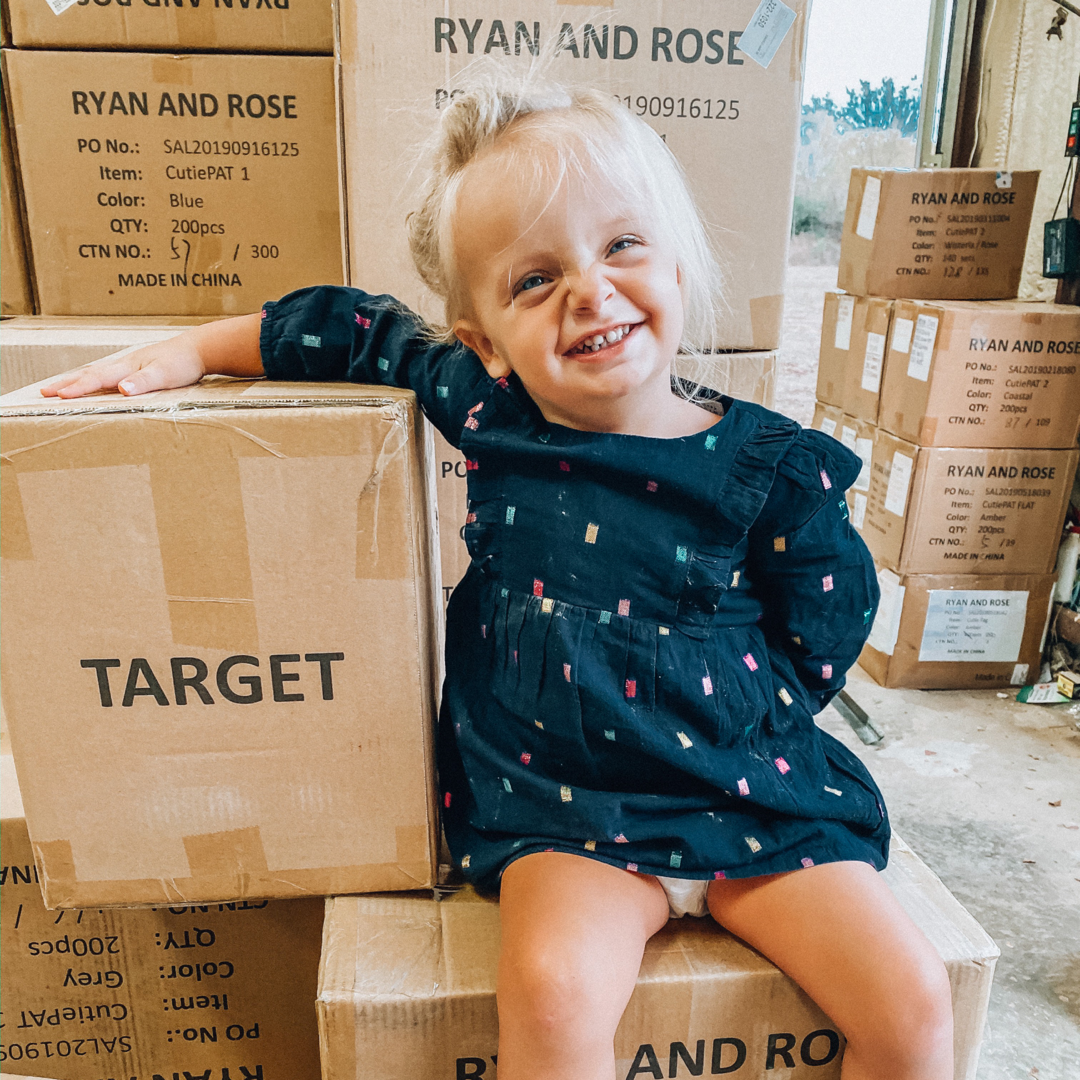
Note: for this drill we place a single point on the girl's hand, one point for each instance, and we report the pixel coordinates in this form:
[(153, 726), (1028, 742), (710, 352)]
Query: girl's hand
[(160, 366), (227, 347)]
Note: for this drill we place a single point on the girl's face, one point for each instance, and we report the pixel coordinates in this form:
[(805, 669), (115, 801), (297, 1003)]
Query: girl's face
[(575, 292)]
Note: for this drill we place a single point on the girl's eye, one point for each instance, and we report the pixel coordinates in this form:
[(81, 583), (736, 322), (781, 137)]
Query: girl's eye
[(622, 244), (533, 281)]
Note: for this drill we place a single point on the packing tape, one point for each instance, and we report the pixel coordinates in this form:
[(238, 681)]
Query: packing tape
[(16, 535), (765, 315), (235, 853), (390, 560), (411, 844)]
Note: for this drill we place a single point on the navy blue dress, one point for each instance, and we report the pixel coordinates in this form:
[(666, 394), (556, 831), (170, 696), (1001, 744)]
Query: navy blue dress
[(647, 627)]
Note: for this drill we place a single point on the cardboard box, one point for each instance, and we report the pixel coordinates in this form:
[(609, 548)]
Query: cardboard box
[(16, 292), (263, 26), (732, 123), (958, 631), (156, 991), (947, 234), (854, 333), (858, 436), (410, 983), (136, 206), (748, 376), (938, 510), (235, 587), (996, 373), (36, 348)]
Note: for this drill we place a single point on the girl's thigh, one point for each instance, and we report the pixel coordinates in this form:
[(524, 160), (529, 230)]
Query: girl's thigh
[(573, 933), (839, 932)]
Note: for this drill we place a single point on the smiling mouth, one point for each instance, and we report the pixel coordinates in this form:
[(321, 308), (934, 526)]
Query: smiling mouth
[(598, 342)]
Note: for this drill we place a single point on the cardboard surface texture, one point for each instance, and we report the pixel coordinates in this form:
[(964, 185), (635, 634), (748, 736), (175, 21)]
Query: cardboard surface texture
[(854, 335), (89, 994), (730, 121), (942, 510), (235, 588), (955, 234), (958, 631), (268, 26), (16, 293), (407, 992), (176, 185), (996, 373)]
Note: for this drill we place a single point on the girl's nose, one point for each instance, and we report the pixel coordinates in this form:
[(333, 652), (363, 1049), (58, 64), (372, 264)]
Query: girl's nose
[(589, 288)]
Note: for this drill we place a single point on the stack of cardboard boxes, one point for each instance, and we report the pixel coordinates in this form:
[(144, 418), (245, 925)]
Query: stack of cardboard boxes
[(964, 407)]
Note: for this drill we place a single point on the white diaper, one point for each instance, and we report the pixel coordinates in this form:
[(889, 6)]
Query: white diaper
[(685, 896)]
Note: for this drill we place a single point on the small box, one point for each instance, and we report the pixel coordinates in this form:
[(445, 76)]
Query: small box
[(946, 234), (1068, 683), (409, 982), (1061, 248), (234, 587)]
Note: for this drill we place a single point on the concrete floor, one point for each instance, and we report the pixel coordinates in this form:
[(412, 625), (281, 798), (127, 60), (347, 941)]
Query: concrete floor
[(971, 780)]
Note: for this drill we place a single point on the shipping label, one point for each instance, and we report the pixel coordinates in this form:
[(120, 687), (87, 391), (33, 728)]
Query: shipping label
[(875, 354), (973, 625), (845, 312)]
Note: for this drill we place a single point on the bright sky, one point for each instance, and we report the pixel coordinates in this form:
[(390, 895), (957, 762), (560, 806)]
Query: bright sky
[(864, 39)]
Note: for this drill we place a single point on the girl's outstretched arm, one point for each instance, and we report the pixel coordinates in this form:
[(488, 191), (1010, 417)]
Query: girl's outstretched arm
[(225, 347)]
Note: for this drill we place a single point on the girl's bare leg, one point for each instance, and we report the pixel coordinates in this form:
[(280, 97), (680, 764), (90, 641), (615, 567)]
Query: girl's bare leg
[(839, 932), (573, 932)]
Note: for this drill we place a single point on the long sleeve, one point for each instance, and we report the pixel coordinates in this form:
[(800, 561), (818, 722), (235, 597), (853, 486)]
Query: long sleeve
[(336, 334), (811, 568)]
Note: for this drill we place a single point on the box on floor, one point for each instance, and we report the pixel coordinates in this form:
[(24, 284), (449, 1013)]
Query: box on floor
[(958, 631), (155, 991), (410, 983), (235, 587), (687, 77), (16, 291), (197, 184), (992, 373), (265, 26), (854, 335), (956, 234), (944, 510)]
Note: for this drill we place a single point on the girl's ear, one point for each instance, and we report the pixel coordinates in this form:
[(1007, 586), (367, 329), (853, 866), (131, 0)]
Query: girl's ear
[(473, 338)]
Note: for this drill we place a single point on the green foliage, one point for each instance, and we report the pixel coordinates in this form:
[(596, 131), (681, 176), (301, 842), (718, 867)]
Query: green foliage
[(812, 216), (881, 106)]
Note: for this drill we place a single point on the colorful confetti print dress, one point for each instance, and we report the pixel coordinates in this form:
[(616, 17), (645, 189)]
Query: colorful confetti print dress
[(648, 626)]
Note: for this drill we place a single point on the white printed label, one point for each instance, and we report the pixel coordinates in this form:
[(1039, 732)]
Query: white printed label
[(847, 437), (871, 367), (845, 311), (1019, 675), (828, 425), (871, 196), (922, 347), (865, 449), (1042, 693), (60, 6), (766, 31), (886, 626), (901, 335), (973, 625), (858, 511), (1003, 180), (899, 478)]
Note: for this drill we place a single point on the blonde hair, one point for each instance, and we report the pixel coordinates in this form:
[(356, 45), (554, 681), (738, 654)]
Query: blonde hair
[(565, 131)]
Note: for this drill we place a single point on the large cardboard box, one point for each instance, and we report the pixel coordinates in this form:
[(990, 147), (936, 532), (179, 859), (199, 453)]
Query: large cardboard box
[(157, 991), (16, 292), (995, 373), (407, 992), (176, 185), (942, 510), (732, 123), (234, 589), (958, 631), (854, 336), (36, 348), (265, 26), (947, 234)]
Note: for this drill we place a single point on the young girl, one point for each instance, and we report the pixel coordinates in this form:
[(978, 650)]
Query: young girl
[(659, 601)]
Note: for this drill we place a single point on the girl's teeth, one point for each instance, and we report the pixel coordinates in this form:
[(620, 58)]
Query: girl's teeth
[(597, 341)]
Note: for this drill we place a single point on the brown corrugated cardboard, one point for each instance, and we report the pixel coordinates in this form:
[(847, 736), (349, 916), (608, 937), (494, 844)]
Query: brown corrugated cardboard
[(748, 376), (940, 510), (38, 347), (995, 373), (235, 588), (138, 206), (265, 26), (732, 123), (858, 436), (958, 631), (956, 234), (410, 983), (16, 293), (854, 332), (160, 991)]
